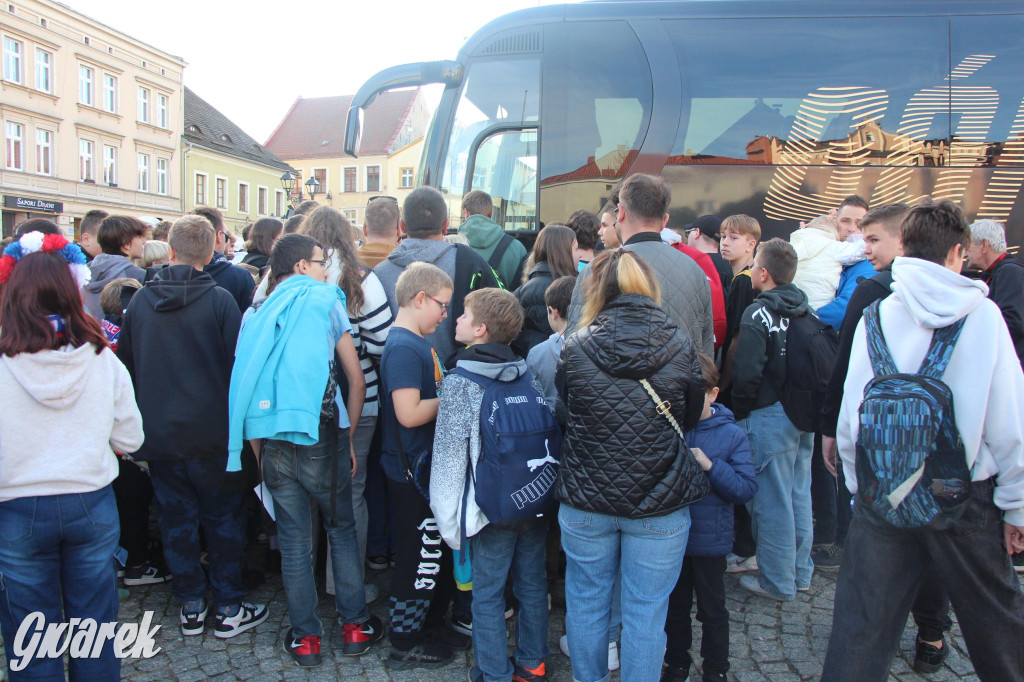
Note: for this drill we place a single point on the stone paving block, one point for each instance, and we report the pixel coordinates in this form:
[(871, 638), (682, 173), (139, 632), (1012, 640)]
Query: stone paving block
[(769, 668), (750, 677), (191, 676)]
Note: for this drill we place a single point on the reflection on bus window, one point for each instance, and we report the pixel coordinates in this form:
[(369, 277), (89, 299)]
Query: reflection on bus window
[(506, 168), (495, 92)]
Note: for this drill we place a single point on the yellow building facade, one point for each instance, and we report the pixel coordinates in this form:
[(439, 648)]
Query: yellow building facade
[(91, 118)]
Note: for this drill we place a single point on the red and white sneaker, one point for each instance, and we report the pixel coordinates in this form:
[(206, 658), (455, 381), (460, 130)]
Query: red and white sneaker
[(304, 651), (359, 637)]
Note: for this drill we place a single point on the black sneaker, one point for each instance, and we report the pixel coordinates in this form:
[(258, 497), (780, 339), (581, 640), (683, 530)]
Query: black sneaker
[(451, 638), (928, 658), (377, 562), (827, 558), (464, 624), (359, 637), (146, 574), (193, 622), (1018, 562), (673, 674), (304, 651), (248, 617), (428, 655)]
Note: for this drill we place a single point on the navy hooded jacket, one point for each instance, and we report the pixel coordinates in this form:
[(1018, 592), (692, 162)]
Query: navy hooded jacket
[(237, 281), (732, 477)]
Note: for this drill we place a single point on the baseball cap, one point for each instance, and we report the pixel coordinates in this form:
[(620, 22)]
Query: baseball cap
[(709, 225)]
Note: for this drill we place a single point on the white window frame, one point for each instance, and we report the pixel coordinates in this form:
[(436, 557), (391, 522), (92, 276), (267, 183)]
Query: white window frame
[(109, 165), (218, 181), (86, 81), (278, 203), (343, 169), (351, 214), (163, 176), (44, 70), (142, 162), (262, 200), (243, 209), (162, 102), (14, 55), (142, 113), (201, 180), (14, 134), (366, 178), (110, 104), (44, 151), (401, 177), (86, 160)]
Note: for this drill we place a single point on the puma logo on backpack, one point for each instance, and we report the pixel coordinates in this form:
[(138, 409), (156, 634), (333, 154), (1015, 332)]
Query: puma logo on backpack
[(911, 465)]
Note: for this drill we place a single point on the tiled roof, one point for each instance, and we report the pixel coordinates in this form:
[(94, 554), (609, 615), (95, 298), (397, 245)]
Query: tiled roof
[(590, 170), (210, 129), (315, 128)]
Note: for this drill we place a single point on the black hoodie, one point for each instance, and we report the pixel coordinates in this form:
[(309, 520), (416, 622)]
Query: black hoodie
[(759, 365), (178, 343)]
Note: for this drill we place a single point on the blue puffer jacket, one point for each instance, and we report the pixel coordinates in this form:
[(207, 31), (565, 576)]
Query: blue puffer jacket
[(732, 482)]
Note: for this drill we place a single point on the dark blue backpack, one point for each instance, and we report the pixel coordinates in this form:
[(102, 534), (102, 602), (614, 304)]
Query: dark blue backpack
[(520, 450), (911, 465)]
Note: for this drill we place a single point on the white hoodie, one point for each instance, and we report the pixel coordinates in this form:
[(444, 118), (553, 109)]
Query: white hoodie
[(983, 373), (820, 261), (63, 413)]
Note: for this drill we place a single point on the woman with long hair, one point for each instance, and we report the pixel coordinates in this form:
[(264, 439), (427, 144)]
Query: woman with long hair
[(371, 318), (68, 405), (632, 384), (555, 254), (264, 233)]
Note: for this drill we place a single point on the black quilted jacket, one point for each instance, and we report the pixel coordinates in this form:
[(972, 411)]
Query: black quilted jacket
[(621, 457)]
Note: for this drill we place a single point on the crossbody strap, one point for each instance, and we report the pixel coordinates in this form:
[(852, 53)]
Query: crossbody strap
[(663, 407)]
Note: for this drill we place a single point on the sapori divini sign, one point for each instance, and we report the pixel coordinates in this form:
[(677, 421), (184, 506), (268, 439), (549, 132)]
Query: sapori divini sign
[(26, 204)]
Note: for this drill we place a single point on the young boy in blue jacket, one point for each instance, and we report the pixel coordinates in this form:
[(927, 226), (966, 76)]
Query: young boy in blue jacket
[(723, 452)]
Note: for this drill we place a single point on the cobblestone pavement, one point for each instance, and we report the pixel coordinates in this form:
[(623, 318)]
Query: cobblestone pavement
[(770, 641)]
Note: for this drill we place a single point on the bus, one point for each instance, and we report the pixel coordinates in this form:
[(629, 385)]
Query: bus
[(774, 109)]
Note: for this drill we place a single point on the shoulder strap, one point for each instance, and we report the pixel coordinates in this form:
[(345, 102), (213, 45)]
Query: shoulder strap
[(881, 359), (664, 407), (499, 250), (482, 382), (941, 350)]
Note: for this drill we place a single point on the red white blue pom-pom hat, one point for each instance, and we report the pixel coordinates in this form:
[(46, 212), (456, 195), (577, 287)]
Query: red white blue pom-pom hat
[(47, 243)]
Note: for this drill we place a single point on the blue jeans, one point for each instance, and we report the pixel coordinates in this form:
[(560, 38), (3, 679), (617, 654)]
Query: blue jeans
[(296, 474), (781, 509), (494, 552), (57, 554), (647, 554)]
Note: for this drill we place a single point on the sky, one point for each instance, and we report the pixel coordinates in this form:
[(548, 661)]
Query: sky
[(252, 59)]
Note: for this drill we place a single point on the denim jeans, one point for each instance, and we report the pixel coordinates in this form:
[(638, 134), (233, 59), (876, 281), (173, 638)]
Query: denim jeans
[(193, 491), (494, 552), (361, 439), (830, 499), (647, 554), (882, 568), (56, 557), (296, 474), (781, 509)]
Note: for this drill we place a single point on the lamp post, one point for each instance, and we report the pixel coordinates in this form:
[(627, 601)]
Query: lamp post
[(289, 181), (312, 186)]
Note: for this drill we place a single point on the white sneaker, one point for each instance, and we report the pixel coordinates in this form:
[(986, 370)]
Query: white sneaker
[(613, 651), (735, 563), (193, 623), (248, 616)]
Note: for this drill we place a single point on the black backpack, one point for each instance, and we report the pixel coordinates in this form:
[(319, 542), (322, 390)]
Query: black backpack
[(811, 349)]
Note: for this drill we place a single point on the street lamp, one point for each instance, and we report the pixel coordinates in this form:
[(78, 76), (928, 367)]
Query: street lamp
[(288, 181), (312, 186)]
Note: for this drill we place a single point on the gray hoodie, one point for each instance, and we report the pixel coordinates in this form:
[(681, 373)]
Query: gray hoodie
[(105, 268), (439, 253)]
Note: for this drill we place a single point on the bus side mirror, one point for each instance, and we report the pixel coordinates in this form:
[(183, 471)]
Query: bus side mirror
[(353, 131)]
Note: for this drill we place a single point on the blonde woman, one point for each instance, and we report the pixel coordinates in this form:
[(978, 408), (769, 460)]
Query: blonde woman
[(631, 383)]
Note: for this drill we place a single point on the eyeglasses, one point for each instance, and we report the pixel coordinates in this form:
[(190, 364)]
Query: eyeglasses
[(444, 306), (326, 262)]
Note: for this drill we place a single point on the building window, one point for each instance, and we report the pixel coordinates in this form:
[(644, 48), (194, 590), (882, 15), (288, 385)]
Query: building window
[(350, 179), (109, 164), (200, 189), (44, 152), (406, 178), (278, 203), (144, 105), (15, 140), (44, 69), (85, 85), (12, 60), (350, 215), (320, 174), (373, 178), (143, 172), (261, 200), (243, 197), (162, 185), (109, 93), (222, 193), (161, 110), (85, 161)]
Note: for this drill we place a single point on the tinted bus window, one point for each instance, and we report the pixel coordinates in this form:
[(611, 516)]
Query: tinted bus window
[(595, 113), (822, 100)]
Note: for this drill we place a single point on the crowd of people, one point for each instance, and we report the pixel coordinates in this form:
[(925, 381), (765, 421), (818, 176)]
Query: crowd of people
[(611, 422)]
